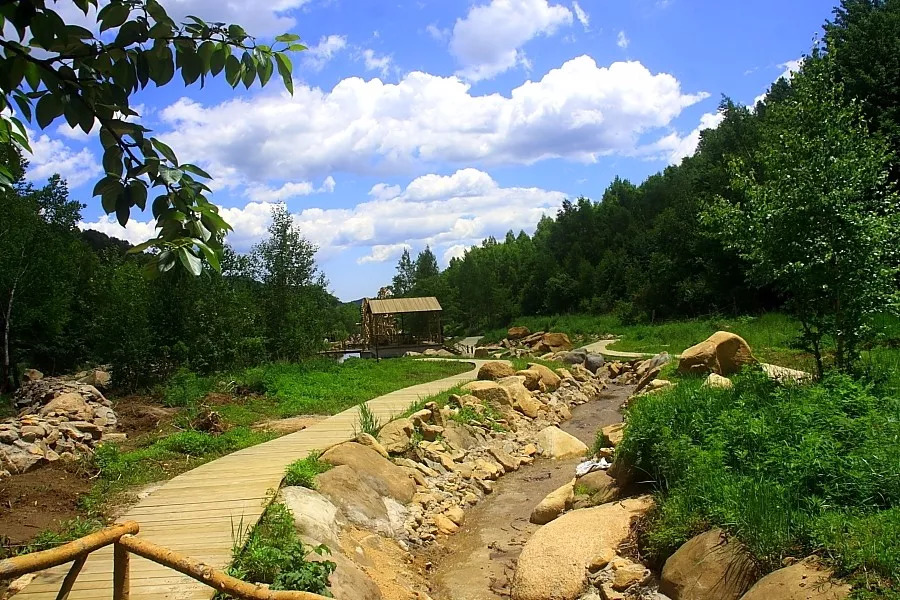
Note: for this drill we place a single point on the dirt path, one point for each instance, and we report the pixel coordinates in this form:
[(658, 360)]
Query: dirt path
[(477, 563)]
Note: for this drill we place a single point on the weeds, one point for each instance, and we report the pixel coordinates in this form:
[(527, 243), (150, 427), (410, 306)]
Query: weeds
[(368, 422), (303, 472), (273, 554)]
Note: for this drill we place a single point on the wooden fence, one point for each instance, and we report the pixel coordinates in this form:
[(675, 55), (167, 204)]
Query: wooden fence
[(124, 543)]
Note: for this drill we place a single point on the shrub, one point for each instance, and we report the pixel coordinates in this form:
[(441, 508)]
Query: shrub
[(789, 470), (368, 422), (303, 472)]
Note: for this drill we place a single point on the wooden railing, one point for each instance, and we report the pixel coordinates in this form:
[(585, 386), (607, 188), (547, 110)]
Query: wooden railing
[(121, 537)]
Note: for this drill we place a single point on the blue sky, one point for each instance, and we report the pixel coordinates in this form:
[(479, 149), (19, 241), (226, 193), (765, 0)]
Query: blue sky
[(443, 122)]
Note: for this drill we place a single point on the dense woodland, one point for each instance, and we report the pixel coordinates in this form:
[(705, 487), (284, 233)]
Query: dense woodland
[(72, 298), (820, 152)]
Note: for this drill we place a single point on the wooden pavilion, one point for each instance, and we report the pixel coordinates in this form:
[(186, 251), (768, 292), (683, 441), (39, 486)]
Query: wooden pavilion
[(392, 326)]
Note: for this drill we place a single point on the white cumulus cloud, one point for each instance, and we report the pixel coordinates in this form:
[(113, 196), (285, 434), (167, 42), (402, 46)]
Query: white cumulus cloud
[(447, 212), (677, 148), (53, 156), (579, 111), (316, 57), (489, 40)]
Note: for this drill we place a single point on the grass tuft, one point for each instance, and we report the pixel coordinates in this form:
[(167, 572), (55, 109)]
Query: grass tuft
[(303, 472)]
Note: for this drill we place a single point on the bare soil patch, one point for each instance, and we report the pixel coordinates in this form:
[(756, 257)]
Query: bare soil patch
[(38, 500)]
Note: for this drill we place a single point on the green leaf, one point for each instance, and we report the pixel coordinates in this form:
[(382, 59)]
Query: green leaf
[(232, 70), (265, 70), (287, 37), (211, 256), (164, 150), (112, 161), (284, 69), (123, 210), (113, 15), (195, 170), (217, 61), (190, 261), (170, 176), (137, 194), (142, 246), (166, 261), (205, 52), (48, 108)]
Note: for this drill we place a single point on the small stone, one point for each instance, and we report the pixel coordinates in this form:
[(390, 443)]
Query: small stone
[(601, 559), (445, 525), (455, 514), (368, 440)]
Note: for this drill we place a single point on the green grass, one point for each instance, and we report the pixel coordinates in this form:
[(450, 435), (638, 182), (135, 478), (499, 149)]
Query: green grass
[(273, 554), (789, 470), (317, 386), (303, 472)]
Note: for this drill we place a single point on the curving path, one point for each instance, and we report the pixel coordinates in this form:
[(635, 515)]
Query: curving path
[(196, 512), (601, 348)]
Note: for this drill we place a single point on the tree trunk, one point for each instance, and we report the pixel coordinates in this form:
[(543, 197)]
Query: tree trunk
[(5, 383)]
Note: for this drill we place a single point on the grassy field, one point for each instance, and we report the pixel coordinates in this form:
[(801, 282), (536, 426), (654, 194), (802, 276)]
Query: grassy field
[(772, 336), (314, 387)]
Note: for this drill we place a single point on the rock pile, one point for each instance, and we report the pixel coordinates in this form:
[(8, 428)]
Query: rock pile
[(519, 341), (58, 419)]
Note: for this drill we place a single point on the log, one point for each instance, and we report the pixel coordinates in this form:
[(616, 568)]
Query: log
[(45, 559), (209, 575)]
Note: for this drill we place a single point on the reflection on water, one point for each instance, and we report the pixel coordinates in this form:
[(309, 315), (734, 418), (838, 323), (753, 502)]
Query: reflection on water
[(347, 355)]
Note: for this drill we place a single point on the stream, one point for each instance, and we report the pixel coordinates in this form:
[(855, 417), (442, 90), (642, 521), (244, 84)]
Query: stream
[(478, 562)]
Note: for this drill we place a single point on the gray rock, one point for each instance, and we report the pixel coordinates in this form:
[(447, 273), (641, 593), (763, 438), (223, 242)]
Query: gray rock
[(593, 361), (315, 516)]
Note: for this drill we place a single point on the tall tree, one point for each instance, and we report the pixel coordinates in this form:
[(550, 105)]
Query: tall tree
[(819, 220), (36, 234), (426, 266), (294, 296), (55, 69), (403, 281)]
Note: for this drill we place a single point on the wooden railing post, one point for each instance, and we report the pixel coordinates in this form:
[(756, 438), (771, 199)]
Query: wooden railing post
[(71, 576), (121, 567)]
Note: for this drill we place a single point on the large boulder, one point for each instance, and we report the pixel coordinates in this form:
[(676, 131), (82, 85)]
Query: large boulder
[(550, 379), (379, 473), (558, 444), (599, 486), (554, 562), (593, 361), (494, 370), (489, 391), (97, 378), (523, 400), (708, 567), (723, 353), (357, 500), (556, 342), (71, 404), (805, 580), (517, 333), (576, 357), (554, 504), (532, 379), (396, 436), (315, 517)]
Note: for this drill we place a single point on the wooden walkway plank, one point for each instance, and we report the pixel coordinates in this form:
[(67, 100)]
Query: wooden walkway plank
[(196, 512)]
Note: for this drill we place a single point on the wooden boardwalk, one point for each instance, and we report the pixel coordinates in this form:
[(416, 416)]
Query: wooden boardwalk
[(195, 513)]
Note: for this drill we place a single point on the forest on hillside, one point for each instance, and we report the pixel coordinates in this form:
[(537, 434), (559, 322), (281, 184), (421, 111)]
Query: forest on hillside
[(796, 193), (763, 205)]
